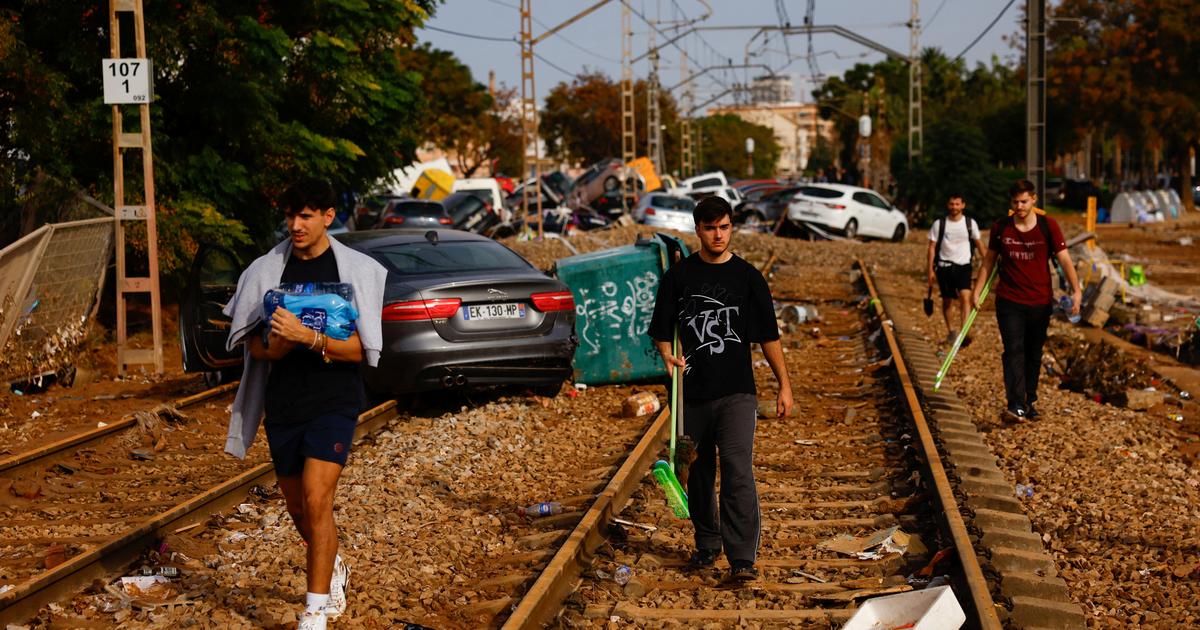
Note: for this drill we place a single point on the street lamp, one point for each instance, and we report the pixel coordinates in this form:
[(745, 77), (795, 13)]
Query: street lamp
[(750, 157)]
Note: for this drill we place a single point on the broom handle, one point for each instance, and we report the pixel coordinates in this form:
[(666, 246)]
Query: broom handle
[(674, 397), (962, 334)]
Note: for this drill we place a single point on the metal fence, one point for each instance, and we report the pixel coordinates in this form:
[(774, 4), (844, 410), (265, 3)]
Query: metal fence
[(50, 283)]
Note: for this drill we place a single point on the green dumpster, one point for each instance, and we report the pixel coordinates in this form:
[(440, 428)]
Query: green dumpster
[(614, 293)]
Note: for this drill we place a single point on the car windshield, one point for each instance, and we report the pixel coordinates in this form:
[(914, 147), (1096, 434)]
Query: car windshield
[(672, 203), (462, 205), (417, 209), (412, 259), (484, 194), (823, 193)]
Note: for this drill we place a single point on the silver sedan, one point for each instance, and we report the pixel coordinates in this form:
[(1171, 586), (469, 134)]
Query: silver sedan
[(662, 210)]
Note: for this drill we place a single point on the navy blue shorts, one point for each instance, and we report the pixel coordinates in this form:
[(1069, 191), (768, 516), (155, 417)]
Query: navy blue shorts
[(326, 437)]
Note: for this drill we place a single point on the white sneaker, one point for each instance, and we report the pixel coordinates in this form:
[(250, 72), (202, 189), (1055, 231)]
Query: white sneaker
[(338, 587), (312, 621)]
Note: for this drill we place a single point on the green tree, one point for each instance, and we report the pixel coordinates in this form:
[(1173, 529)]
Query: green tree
[(723, 147), (582, 120), (457, 106), (1128, 70), (983, 107), (955, 160), (248, 96)]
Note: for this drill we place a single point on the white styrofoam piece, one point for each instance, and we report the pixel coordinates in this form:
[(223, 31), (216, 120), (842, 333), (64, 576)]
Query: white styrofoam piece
[(931, 609)]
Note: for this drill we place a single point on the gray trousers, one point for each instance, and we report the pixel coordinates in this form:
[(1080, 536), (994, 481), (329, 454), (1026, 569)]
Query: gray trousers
[(724, 428)]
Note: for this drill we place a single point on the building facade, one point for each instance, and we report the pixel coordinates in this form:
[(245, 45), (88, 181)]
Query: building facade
[(796, 127)]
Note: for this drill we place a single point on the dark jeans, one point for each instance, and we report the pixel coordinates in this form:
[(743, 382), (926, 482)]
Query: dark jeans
[(1023, 332), (724, 427)]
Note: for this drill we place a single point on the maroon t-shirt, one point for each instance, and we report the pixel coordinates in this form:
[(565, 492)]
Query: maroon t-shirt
[(1024, 260)]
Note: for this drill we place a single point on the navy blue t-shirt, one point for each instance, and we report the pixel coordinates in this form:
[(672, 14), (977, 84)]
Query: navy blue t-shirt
[(720, 310)]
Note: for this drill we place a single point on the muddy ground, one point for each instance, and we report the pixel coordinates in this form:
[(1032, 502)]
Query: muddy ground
[(1115, 490)]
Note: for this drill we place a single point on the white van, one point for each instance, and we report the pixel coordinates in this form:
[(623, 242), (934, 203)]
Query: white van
[(707, 181)]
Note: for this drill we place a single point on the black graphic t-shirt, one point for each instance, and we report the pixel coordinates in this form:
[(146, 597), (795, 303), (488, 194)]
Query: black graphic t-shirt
[(301, 386), (720, 310)]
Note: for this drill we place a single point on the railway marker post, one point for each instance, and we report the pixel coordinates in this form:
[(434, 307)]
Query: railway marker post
[(129, 81)]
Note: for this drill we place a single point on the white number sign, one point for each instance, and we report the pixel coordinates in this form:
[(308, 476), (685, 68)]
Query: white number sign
[(126, 81)]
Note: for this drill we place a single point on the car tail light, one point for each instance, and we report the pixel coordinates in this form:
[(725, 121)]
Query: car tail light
[(394, 219), (835, 206), (417, 310), (650, 211), (445, 220), (555, 301)]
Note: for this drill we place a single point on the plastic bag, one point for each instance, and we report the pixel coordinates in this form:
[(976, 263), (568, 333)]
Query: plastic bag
[(326, 307)]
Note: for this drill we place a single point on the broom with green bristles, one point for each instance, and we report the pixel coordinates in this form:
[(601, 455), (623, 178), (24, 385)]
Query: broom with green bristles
[(672, 476)]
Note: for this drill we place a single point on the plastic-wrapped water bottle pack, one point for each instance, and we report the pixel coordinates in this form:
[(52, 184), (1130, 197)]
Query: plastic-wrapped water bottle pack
[(326, 307)]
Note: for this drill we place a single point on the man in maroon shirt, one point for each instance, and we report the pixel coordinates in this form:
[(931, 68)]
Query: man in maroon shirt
[(1024, 243)]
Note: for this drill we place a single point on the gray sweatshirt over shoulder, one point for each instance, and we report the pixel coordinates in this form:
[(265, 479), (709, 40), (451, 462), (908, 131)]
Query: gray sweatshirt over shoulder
[(246, 309)]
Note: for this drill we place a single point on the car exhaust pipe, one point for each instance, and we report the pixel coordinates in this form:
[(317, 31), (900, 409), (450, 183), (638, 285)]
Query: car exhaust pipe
[(448, 380), (460, 380)]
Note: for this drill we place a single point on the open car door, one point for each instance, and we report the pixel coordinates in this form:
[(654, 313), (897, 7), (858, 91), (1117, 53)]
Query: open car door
[(203, 328)]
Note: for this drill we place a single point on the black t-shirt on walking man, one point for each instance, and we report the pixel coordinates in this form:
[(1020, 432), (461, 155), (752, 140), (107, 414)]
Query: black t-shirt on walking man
[(720, 309), (301, 385)]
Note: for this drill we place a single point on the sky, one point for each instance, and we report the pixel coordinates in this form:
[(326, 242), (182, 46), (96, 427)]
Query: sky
[(594, 44)]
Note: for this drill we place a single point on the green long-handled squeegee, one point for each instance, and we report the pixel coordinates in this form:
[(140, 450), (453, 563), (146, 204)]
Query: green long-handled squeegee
[(664, 472), (962, 334)]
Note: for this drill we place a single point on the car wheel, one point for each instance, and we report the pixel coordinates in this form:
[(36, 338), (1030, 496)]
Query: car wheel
[(611, 183), (754, 220), (851, 230), (899, 234)]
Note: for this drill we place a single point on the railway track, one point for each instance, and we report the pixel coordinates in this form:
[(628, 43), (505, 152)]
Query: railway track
[(852, 461), (857, 457), (82, 507)]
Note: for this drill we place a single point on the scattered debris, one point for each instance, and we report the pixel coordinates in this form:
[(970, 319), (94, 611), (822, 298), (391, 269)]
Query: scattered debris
[(640, 404), (873, 547)]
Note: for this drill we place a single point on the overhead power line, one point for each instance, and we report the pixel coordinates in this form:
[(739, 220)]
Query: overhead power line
[(985, 31), (935, 14), (555, 66), (569, 42), (469, 35)]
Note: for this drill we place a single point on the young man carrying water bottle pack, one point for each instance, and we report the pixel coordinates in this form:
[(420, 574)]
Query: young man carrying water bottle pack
[(306, 381), (1024, 244)]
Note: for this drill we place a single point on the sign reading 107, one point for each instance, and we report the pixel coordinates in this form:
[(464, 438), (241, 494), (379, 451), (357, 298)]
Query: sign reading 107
[(127, 81)]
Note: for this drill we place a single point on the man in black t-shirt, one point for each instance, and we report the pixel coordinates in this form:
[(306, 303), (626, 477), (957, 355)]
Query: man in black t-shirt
[(313, 397), (721, 305)]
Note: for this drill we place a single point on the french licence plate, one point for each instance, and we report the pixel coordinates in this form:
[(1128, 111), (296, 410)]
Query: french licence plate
[(509, 310)]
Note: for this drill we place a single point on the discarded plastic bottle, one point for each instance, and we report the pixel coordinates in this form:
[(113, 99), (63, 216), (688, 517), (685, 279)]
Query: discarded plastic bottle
[(622, 575), (538, 510), (676, 498), (1066, 303)]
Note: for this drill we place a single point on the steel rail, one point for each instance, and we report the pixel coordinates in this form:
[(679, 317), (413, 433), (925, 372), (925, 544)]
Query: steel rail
[(26, 598), (53, 448), (981, 597), (544, 598)]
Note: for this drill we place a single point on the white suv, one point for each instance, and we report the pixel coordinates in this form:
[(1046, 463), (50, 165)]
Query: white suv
[(851, 210)]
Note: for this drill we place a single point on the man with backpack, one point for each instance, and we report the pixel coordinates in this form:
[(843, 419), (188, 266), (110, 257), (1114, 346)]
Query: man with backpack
[(953, 240), (1024, 244)]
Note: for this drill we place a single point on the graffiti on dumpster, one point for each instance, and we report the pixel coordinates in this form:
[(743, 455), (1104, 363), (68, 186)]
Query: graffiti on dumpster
[(613, 312)]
